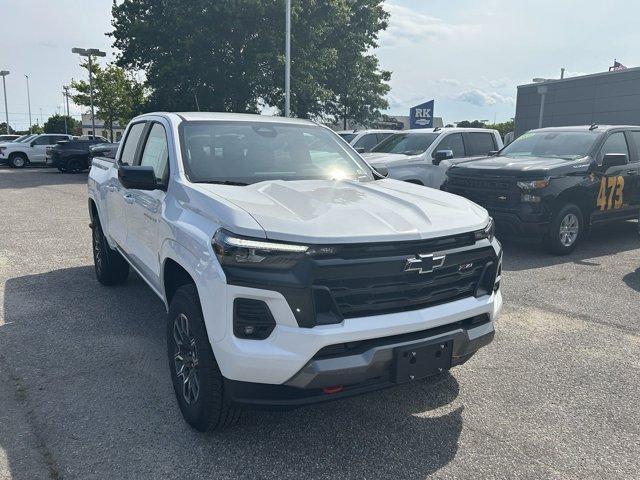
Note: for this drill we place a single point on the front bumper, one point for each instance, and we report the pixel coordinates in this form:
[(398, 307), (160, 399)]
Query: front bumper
[(368, 367), (512, 225)]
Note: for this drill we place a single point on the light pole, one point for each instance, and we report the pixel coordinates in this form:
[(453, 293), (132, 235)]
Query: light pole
[(4, 73), (65, 92), (29, 102), (287, 63), (89, 52)]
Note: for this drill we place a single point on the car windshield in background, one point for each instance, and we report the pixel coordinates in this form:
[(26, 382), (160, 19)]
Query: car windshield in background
[(406, 143), (347, 136), (241, 153), (567, 145), (23, 138)]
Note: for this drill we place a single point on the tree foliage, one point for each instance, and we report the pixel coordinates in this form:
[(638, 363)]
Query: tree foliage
[(55, 124), (471, 124), (503, 127), (117, 97), (228, 55)]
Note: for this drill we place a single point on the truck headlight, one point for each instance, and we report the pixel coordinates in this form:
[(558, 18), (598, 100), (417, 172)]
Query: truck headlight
[(238, 251), (487, 232), (534, 184)]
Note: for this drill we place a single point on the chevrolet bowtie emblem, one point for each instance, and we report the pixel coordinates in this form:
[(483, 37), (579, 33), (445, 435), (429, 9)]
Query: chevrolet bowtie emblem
[(423, 263)]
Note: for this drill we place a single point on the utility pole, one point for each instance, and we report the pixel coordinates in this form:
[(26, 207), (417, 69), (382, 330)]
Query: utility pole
[(65, 93), (64, 111), (90, 52), (287, 64), (4, 73), (29, 102)]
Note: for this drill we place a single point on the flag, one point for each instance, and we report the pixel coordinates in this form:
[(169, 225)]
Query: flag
[(617, 66)]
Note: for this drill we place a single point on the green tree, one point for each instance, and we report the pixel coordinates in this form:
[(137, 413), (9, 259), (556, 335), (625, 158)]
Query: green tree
[(472, 124), (3, 129), (55, 124), (228, 55), (503, 128), (117, 97)]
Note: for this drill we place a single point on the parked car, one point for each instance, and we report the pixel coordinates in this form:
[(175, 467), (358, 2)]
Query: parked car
[(423, 156), (71, 155), (364, 140), (292, 272), (8, 138), (33, 151), (20, 139), (104, 150), (553, 184)]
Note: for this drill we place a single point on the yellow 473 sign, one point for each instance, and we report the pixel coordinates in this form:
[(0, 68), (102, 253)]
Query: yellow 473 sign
[(611, 192)]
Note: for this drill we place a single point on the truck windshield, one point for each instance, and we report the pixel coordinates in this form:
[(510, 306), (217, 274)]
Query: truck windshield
[(241, 153), (406, 143), (23, 138), (567, 145)]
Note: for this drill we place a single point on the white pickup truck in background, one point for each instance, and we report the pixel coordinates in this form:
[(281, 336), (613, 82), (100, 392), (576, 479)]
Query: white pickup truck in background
[(292, 272), (423, 156)]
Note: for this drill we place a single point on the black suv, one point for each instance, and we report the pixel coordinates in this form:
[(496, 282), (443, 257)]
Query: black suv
[(71, 155), (552, 184)]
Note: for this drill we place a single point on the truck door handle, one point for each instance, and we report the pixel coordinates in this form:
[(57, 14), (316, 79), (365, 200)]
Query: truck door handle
[(632, 172), (128, 198)]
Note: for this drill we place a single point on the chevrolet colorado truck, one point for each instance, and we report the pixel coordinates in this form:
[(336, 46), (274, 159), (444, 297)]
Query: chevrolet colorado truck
[(292, 272)]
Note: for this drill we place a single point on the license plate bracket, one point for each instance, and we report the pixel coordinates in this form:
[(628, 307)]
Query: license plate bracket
[(422, 360)]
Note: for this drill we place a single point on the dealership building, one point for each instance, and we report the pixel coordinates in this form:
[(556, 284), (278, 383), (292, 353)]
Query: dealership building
[(604, 98)]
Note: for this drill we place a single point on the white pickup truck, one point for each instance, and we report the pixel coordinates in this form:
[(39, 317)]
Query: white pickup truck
[(292, 271)]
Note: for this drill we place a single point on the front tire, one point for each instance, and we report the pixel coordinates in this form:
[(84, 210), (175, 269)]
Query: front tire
[(74, 166), (18, 160), (197, 381), (566, 230), (111, 268)]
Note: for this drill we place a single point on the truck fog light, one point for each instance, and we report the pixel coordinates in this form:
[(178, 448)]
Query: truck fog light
[(252, 319), (527, 197)]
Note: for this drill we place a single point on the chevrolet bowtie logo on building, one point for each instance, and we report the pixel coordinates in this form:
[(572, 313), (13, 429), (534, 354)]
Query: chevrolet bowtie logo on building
[(423, 263)]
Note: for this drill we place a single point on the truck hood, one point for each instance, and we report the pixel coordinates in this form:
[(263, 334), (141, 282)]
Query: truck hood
[(327, 211), (514, 164), (384, 159)]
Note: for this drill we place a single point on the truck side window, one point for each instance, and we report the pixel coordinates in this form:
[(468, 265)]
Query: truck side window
[(131, 143), (454, 143), (156, 152), (615, 143), (367, 142), (636, 139), (481, 144)]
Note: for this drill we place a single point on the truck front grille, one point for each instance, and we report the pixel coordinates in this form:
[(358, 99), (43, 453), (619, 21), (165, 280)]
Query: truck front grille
[(484, 190), (381, 285)]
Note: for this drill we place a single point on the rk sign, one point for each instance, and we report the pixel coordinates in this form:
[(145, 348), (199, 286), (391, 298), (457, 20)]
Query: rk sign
[(421, 116)]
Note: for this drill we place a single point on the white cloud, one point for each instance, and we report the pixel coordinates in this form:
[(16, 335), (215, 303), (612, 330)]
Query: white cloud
[(481, 98), (409, 26), (448, 81)]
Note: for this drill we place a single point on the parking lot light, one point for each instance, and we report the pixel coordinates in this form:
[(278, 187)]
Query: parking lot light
[(4, 73), (90, 52)]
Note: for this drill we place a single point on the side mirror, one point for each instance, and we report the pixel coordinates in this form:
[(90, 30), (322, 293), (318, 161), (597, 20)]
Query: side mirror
[(441, 155), (361, 149), (33, 144), (141, 178), (614, 160), (382, 171)]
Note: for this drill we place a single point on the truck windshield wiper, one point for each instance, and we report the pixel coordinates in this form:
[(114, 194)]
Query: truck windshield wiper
[(224, 182)]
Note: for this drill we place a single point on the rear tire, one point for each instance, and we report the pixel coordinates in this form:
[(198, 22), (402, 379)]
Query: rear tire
[(18, 160), (111, 268), (197, 381), (566, 230), (74, 166)]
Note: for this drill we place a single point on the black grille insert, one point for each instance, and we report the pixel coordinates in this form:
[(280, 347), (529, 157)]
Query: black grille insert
[(252, 319)]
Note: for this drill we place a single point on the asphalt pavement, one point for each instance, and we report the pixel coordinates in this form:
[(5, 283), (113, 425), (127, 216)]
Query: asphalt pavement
[(85, 391)]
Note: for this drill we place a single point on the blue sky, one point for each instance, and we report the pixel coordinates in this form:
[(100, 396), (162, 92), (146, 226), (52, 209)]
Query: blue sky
[(467, 55)]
